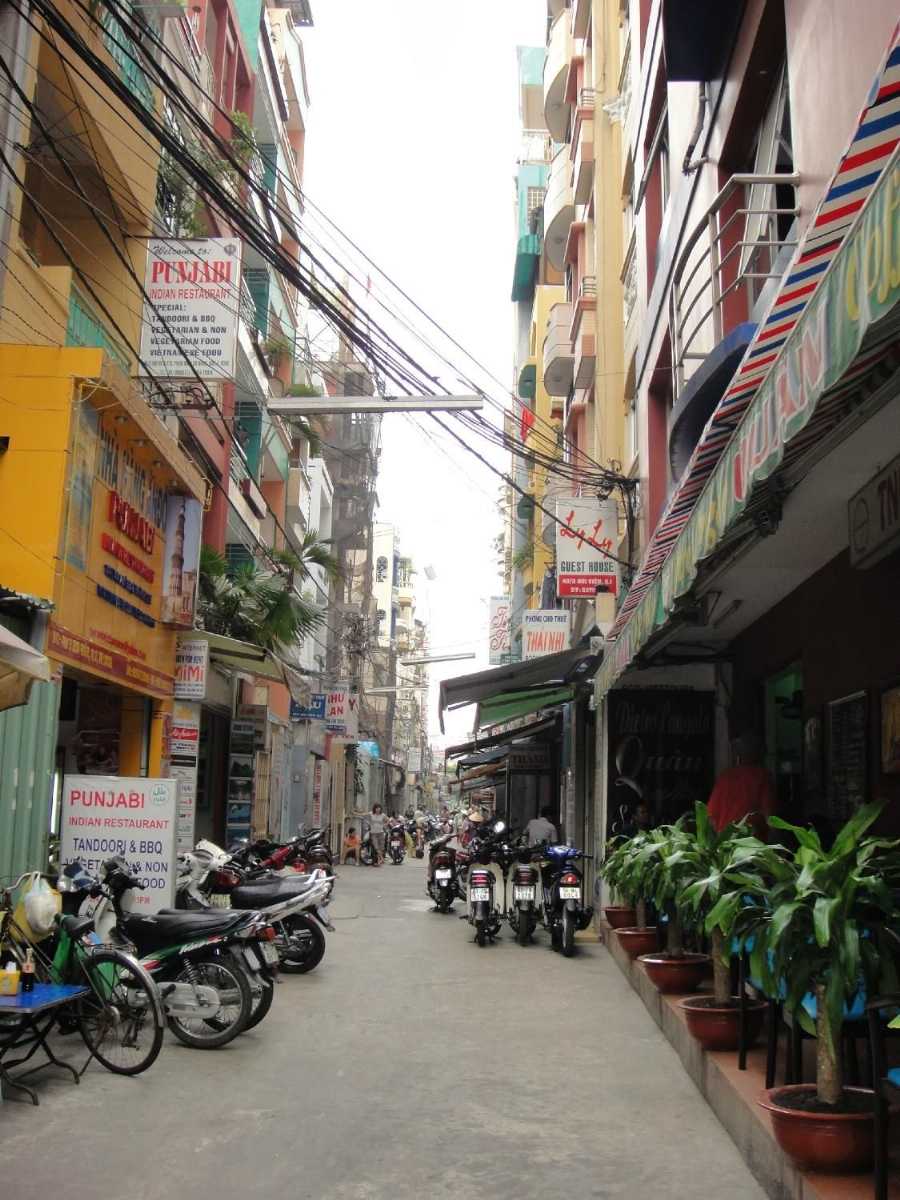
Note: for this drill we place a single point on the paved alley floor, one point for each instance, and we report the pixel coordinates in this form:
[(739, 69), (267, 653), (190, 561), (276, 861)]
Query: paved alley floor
[(410, 1063)]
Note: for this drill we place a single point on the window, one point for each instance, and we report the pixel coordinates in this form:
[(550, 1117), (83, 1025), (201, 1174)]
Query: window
[(534, 201), (381, 570)]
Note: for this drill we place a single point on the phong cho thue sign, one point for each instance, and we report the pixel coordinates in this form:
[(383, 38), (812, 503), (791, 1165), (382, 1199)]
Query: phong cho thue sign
[(585, 545)]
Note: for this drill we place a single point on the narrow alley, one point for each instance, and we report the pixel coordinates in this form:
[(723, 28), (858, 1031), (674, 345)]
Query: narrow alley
[(410, 1063)]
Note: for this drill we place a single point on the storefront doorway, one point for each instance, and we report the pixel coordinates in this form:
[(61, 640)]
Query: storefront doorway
[(784, 739)]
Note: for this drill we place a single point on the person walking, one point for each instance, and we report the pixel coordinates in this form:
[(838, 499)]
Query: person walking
[(744, 790), (376, 820)]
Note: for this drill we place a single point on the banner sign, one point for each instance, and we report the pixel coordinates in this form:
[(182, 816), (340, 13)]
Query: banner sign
[(342, 712), (314, 711), (584, 548), (499, 630), (181, 561), (195, 288), (861, 286), (874, 517), (105, 816), (414, 760), (184, 754), (544, 631), (191, 668)]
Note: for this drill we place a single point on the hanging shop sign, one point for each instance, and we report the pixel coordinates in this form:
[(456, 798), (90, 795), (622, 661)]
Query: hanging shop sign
[(874, 514), (181, 561), (499, 629), (104, 816), (529, 758), (184, 754), (191, 668), (342, 712), (193, 288), (585, 543), (314, 711), (545, 631)]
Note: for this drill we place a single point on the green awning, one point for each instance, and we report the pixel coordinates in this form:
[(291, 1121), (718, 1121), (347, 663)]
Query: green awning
[(241, 656), (509, 705), (528, 381), (528, 252)]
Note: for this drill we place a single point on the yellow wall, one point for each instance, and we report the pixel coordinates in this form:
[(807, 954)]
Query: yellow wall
[(545, 296)]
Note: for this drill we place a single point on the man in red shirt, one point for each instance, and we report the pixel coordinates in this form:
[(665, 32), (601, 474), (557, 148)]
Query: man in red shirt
[(744, 790)]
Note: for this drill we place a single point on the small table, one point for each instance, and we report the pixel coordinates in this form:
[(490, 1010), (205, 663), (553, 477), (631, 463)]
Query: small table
[(36, 1012)]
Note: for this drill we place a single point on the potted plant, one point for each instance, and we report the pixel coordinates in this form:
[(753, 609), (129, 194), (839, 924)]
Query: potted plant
[(673, 970), (621, 914), (821, 942), (714, 870), (626, 869)]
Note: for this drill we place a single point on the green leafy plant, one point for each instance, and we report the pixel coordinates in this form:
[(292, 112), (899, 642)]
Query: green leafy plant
[(821, 930), (627, 869)]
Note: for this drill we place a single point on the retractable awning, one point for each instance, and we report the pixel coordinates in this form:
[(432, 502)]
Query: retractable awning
[(510, 705), (243, 656), (541, 678), (20, 666), (499, 739)]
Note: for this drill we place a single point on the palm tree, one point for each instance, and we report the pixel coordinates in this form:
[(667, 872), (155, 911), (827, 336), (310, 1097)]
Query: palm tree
[(258, 605)]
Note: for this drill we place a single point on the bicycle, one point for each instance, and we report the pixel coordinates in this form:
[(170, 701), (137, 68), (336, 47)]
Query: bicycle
[(121, 1020)]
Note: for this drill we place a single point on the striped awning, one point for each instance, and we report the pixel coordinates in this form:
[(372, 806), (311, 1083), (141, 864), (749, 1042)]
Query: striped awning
[(877, 136)]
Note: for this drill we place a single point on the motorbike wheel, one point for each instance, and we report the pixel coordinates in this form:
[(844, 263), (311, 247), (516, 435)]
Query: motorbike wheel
[(443, 902), (523, 932), (263, 992), (209, 1033), (367, 856), (300, 960), (555, 935), (567, 937), (480, 933)]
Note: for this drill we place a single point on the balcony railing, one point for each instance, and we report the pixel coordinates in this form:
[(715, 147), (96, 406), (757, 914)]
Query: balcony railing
[(83, 328), (124, 53), (735, 245)]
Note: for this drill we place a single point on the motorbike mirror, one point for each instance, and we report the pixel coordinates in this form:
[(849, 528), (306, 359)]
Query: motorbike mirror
[(499, 826)]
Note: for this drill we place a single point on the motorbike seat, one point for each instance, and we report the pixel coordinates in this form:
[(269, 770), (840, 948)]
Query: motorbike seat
[(76, 927), (259, 893), (175, 926)]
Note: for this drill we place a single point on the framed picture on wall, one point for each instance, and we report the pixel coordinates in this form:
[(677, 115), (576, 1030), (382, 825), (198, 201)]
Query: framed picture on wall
[(890, 731), (847, 755)]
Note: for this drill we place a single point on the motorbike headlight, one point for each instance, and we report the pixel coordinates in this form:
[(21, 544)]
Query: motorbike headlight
[(499, 826)]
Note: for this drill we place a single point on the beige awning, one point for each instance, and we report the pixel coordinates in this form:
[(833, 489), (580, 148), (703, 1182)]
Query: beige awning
[(20, 666)]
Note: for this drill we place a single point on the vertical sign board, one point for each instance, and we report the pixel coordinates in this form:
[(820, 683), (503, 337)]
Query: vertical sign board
[(584, 565), (342, 712), (105, 816), (194, 288), (184, 752), (241, 780), (314, 711), (544, 631), (499, 630), (191, 668), (181, 562), (414, 760)]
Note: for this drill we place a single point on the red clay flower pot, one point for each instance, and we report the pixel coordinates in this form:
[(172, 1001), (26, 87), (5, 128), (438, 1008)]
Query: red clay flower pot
[(717, 1027), (618, 916), (675, 975), (837, 1142), (638, 940)]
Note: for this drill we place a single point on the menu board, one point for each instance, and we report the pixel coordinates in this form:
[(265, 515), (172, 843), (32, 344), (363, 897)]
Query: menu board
[(848, 754)]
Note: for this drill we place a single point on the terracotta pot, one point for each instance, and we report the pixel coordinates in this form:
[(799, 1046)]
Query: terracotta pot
[(638, 940), (718, 1028), (618, 915), (834, 1142), (682, 975)]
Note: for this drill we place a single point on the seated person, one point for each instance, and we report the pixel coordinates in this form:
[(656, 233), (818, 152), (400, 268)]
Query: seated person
[(350, 846)]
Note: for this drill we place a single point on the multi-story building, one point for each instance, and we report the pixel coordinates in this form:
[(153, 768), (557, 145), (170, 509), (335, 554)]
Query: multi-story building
[(760, 399)]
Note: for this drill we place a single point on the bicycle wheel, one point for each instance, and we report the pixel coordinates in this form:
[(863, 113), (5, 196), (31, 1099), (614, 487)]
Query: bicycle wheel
[(121, 1021)]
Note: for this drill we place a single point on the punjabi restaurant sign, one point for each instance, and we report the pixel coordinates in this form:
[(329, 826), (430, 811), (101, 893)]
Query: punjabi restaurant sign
[(109, 615), (585, 542), (861, 286), (193, 288)]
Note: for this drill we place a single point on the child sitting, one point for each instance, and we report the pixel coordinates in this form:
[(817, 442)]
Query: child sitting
[(351, 846)]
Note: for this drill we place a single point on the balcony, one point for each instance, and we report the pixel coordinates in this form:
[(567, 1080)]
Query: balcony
[(583, 147), (559, 210), (527, 381), (84, 328), (584, 333), (581, 17), (116, 40), (558, 359), (556, 489), (556, 71)]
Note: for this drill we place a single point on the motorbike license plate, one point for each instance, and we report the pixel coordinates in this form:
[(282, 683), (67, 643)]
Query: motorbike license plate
[(569, 893), (443, 873), (269, 952), (523, 893), (479, 893)]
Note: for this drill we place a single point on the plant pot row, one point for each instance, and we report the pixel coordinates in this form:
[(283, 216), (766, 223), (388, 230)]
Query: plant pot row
[(833, 1142)]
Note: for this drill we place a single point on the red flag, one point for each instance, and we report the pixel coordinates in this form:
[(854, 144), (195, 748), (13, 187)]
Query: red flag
[(527, 423)]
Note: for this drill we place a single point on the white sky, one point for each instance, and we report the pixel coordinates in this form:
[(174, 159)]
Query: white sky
[(411, 150)]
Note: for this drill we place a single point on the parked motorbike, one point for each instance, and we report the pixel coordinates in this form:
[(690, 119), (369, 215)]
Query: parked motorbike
[(306, 852), (482, 912), (296, 907), (201, 962), (443, 885), (396, 844), (564, 910), (368, 855), (524, 910)]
